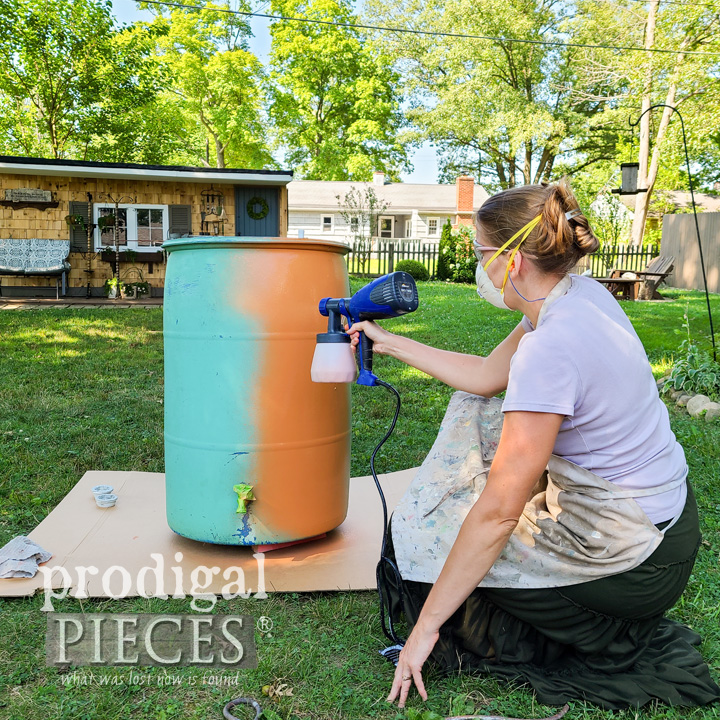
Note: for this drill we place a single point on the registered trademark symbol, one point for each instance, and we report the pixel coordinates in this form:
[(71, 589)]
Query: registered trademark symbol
[(264, 624)]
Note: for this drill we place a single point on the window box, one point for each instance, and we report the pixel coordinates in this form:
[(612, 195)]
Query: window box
[(134, 256)]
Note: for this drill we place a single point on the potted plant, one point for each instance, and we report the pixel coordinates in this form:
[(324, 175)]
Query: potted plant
[(142, 289), (134, 285), (111, 287), (75, 221), (136, 290), (106, 221)]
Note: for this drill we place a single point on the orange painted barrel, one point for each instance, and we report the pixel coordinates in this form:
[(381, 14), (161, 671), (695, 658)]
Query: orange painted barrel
[(240, 320)]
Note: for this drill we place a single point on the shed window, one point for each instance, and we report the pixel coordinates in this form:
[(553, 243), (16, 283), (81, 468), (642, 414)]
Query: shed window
[(149, 226), (138, 226), (327, 223), (107, 234), (432, 226)]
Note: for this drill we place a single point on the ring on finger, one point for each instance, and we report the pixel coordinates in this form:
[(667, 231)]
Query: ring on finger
[(406, 678)]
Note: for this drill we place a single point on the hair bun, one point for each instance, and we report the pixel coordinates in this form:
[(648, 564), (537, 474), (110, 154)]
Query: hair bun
[(561, 238), (566, 226)]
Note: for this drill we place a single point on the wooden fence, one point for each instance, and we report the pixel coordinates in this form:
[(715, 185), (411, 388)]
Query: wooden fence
[(679, 240), (383, 255), (618, 257)]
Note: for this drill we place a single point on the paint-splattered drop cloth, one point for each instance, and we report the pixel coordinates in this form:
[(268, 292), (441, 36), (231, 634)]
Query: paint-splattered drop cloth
[(575, 615)]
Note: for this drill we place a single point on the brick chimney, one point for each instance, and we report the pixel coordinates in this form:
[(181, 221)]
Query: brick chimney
[(465, 194)]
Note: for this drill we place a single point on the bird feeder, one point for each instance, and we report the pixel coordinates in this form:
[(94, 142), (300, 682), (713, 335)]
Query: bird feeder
[(629, 180)]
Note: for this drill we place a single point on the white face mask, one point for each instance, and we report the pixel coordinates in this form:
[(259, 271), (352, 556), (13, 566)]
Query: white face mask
[(486, 289)]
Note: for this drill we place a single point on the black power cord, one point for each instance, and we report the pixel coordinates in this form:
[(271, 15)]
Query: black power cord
[(386, 566)]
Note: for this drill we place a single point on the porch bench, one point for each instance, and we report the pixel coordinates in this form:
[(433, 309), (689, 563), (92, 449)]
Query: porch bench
[(36, 256)]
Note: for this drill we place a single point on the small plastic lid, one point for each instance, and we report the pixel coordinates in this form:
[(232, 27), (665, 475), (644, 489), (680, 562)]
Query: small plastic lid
[(102, 490), (107, 500)]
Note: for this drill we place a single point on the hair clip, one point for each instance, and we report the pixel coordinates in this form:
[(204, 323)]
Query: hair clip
[(570, 214)]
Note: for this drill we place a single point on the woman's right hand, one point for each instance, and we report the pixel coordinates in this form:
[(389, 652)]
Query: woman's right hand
[(380, 337)]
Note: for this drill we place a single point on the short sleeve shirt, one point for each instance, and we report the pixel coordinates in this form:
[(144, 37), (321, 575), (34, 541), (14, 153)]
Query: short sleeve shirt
[(585, 362)]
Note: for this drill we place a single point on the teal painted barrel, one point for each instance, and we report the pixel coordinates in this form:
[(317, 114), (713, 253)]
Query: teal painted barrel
[(242, 417)]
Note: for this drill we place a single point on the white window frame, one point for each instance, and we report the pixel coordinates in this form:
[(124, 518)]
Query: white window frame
[(431, 232), (322, 223), (355, 225), (132, 241), (391, 218), (408, 228)]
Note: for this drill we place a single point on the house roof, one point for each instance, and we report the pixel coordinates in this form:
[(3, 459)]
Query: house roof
[(681, 200), (707, 203), (79, 168), (400, 197)]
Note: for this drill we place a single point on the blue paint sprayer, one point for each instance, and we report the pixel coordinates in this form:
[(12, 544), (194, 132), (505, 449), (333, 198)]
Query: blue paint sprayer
[(386, 297)]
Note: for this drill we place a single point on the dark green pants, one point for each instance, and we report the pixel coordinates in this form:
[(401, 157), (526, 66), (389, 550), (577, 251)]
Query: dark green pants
[(605, 640)]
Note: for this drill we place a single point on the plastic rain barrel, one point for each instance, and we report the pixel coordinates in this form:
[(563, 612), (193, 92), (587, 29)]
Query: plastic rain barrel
[(240, 319)]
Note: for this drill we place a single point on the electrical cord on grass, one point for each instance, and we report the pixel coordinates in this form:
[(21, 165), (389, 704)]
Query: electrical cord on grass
[(386, 565)]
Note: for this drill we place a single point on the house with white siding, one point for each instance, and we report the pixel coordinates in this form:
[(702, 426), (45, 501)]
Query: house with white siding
[(414, 211)]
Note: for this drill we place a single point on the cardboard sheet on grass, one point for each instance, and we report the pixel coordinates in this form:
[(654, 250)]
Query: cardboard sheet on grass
[(79, 533)]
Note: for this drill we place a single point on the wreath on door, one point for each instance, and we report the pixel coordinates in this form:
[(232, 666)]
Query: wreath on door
[(257, 213)]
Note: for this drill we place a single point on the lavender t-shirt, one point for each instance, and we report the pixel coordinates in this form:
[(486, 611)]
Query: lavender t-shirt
[(586, 362)]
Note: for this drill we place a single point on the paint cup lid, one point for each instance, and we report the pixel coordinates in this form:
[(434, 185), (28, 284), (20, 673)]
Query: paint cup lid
[(102, 490), (106, 500)]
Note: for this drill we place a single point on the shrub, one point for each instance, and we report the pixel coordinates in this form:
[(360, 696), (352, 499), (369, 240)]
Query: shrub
[(694, 371), (464, 260), (414, 268), (446, 253)]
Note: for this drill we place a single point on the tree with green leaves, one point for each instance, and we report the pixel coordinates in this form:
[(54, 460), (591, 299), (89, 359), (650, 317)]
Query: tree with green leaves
[(502, 111), (68, 78), (217, 88), (361, 209), (334, 103), (629, 83)]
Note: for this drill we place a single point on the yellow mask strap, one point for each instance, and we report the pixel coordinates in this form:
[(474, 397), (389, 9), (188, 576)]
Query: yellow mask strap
[(525, 232)]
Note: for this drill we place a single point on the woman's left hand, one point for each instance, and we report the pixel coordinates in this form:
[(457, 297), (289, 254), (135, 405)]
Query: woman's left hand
[(412, 657)]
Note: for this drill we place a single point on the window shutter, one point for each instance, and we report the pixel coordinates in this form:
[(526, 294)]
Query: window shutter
[(78, 234), (180, 220)]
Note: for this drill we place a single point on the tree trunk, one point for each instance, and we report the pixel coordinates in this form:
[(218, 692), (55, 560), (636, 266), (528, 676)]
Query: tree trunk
[(642, 199), (527, 169), (220, 152)]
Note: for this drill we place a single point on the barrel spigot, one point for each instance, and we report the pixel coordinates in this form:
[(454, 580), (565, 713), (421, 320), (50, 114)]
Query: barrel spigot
[(245, 494)]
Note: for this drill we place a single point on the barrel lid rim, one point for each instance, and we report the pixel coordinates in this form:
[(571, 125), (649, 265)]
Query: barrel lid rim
[(251, 241)]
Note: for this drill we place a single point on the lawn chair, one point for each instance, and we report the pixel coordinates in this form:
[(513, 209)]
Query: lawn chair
[(620, 287), (650, 277)]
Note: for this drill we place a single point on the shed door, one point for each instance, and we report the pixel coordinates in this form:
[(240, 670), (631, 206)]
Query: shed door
[(248, 226)]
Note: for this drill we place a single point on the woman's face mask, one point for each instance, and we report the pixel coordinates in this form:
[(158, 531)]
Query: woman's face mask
[(485, 287)]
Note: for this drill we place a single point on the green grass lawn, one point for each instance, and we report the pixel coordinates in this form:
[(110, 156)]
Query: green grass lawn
[(82, 390)]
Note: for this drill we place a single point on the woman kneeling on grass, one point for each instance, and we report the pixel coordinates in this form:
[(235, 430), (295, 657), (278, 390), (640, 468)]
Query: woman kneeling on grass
[(545, 535)]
